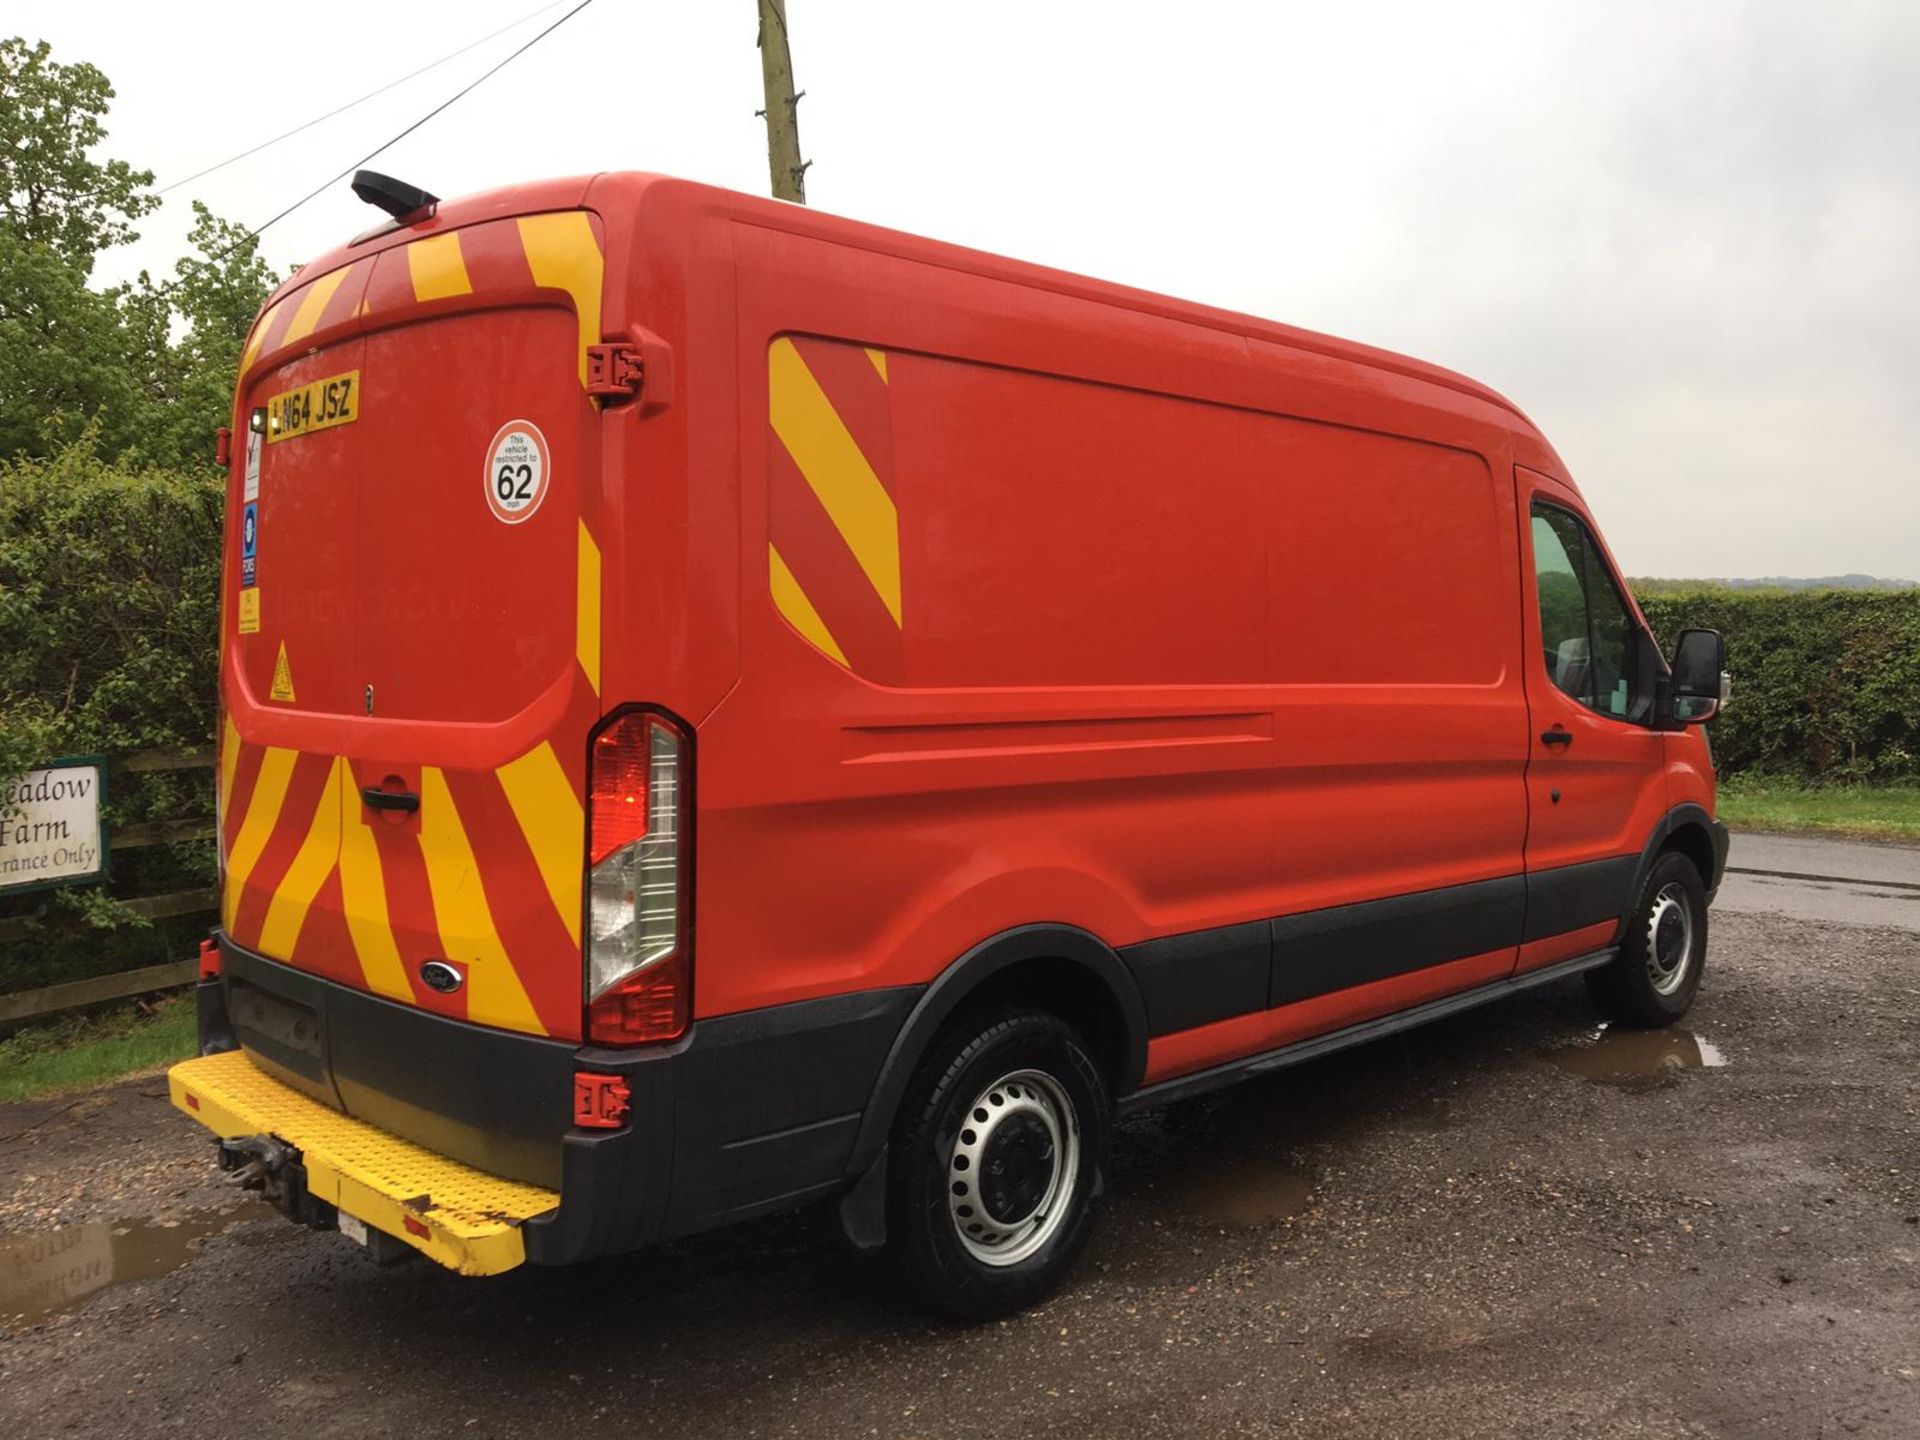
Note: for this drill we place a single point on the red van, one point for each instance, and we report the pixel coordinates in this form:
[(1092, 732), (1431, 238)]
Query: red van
[(728, 707)]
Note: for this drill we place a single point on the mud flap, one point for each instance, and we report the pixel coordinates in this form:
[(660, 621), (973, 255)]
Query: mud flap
[(862, 1211)]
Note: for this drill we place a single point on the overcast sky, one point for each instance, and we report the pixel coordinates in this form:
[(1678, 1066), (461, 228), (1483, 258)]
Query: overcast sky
[(1684, 237)]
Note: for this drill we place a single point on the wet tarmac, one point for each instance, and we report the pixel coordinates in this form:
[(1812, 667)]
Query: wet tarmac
[(1510, 1223), (1839, 881)]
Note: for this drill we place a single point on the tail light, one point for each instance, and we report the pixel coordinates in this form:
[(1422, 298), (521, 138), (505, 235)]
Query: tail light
[(639, 969)]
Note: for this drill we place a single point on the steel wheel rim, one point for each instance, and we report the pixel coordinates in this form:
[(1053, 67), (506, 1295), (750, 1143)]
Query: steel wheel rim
[(1004, 1198), (1669, 939)]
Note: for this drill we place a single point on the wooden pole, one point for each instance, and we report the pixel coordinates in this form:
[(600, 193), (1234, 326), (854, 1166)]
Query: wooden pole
[(786, 169)]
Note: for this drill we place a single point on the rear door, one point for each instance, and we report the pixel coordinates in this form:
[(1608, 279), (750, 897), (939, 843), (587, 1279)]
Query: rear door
[(1595, 779), (411, 683)]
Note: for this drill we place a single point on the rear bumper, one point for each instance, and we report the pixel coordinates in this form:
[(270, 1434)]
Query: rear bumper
[(746, 1114), (464, 1218)]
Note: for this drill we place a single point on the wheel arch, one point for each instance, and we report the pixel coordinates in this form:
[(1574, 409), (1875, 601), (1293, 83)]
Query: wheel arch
[(1692, 839), (1056, 967), (1689, 830)]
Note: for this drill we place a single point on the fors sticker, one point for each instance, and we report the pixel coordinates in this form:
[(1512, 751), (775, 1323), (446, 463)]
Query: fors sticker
[(518, 469)]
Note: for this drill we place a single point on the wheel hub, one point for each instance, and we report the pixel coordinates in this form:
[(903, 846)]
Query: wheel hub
[(1669, 940), (1016, 1168), (1012, 1167)]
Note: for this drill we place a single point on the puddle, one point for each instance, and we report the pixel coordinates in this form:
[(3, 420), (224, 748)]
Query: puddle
[(1245, 1195), (1246, 1192), (1228, 1161), (49, 1271), (1637, 1059)]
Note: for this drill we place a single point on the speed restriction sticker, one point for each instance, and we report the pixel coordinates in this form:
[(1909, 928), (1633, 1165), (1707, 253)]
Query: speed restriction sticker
[(518, 466)]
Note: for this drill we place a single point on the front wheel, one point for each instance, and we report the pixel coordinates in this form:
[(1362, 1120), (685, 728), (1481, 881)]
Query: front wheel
[(1653, 979), (993, 1163)]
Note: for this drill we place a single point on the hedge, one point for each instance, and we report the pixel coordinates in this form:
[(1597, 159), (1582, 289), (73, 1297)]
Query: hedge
[(109, 602), (1826, 683)]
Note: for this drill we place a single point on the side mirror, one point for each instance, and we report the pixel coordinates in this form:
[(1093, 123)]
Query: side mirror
[(1700, 681)]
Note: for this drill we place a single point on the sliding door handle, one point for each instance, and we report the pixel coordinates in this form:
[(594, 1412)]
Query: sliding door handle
[(1556, 737)]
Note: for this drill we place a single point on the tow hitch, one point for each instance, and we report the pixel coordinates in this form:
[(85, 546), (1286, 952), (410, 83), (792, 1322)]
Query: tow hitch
[(272, 1168)]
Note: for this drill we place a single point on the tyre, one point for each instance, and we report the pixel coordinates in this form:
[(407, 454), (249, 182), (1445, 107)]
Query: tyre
[(1653, 979), (994, 1161)]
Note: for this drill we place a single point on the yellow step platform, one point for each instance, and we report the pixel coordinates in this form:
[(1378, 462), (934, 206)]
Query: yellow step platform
[(464, 1218)]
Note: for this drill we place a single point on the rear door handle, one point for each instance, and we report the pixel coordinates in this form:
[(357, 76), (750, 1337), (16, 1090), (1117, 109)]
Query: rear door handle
[(1556, 736), (404, 801)]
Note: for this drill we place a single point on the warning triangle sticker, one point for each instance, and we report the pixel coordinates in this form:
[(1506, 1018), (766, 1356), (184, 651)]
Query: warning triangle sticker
[(282, 677)]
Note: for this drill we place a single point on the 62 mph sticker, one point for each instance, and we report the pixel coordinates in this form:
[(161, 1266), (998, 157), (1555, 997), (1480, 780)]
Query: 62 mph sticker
[(518, 467)]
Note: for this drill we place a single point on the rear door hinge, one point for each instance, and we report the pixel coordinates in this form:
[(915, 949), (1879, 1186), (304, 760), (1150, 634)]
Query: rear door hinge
[(614, 372)]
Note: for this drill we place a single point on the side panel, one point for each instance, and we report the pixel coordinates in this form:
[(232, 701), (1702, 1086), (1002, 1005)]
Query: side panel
[(1170, 658)]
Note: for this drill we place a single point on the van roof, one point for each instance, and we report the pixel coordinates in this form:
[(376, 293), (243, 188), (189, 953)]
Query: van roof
[(626, 190)]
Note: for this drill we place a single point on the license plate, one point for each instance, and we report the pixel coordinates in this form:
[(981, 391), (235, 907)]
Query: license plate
[(354, 1230), (317, 405)]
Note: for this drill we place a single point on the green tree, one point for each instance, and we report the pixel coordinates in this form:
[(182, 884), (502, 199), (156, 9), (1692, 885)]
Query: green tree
[(62, 359), (215, 293), (144, 369), (52, 192)]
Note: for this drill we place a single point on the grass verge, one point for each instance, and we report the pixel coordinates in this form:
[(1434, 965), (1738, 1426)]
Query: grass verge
[(76, 1052), (1879, 812)]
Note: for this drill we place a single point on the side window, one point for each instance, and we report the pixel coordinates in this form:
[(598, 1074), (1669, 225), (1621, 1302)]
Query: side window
[(1586, 628)]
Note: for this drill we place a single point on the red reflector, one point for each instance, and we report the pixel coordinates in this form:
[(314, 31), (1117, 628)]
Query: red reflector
[(209, 960), (600, 1102), (193, 1100), (416, 1227), (223, 447)]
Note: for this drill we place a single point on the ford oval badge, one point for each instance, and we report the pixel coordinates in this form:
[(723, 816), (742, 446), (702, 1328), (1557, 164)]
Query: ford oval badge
[(439, 975)]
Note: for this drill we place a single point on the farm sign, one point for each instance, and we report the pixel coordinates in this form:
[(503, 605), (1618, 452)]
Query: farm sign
[(51, 832)]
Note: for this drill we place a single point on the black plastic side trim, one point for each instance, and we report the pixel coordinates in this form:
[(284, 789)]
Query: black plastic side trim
[(746, 1114), (1322, 951), (960, 979), (1571, 897), (1203, 976), (1185, 1087), (767, 1102), (1211, 975)]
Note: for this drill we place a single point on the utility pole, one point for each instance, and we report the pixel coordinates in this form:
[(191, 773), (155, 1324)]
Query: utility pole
[(787, 170)]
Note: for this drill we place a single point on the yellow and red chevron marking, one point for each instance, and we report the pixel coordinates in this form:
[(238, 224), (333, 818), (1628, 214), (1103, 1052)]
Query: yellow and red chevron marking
[(310, 879), (496, 262), (325, 302), (315, 881), (833, 529)]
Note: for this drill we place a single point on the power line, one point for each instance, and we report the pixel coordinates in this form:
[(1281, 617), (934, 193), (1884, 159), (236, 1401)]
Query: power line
[(258, 230), (371, 94)]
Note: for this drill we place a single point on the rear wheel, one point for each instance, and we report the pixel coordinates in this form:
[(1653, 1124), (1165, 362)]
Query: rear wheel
[(993, 1162), (1653, 979)]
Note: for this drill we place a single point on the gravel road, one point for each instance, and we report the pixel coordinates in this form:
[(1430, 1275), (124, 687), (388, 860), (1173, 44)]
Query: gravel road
[(1504, 1225)]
